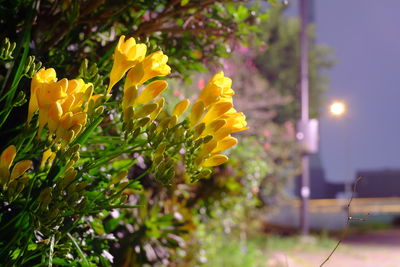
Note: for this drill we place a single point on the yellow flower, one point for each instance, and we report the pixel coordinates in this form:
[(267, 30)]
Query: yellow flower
[(224, 144), (235, 123), (181, 107), (19, 169), (130, 95), (78, 93), (216, 110), (214, 160), (41, 77), (213, 127), (50, 93), (50, 115), (95, 97), (151, 91), (6, 159), (70, 125), (217, 89), (213, 115), (152, 66), (126, 55), (160, 102), (196, 113), (47, 158)]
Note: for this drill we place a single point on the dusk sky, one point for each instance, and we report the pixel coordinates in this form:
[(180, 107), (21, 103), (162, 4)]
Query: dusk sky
[(365, 36)]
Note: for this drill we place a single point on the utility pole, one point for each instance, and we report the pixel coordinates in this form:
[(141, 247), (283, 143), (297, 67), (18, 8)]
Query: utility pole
[(304, 119)]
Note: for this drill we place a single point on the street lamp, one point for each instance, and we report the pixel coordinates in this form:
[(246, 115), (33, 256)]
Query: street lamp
[(337, 108)]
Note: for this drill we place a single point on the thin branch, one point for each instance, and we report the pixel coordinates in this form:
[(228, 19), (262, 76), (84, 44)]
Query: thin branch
[(349, 219), (209, 30)]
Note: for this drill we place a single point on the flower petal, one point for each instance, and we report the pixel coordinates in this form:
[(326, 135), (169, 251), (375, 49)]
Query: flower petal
[(151, 91), (214, 160), (181, 107), (7, 157), (20, 168)]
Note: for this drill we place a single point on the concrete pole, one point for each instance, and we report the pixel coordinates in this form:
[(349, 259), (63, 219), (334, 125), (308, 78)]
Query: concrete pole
[(304, 88)]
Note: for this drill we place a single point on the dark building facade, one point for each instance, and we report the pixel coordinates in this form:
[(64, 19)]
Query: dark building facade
[(378, 183), (320, 188)]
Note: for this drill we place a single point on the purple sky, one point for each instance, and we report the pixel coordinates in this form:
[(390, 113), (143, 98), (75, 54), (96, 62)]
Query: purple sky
[(365, 36)]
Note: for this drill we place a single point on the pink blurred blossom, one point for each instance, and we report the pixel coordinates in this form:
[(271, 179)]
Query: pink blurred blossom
[(289, 128), (255, 190), (267, 146), (266, 133), (243, 49), (200, 84)]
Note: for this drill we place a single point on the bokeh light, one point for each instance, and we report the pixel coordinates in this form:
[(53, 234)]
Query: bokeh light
[(337, 108)]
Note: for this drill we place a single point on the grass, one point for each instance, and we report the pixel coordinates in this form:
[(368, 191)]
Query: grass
[(229, 251), (232, 252)]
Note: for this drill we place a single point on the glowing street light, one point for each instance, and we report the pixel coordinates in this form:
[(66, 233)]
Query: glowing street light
[(337, 108)]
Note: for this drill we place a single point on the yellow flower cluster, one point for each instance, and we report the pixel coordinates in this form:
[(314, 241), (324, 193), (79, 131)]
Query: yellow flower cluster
[(62, 104), (213, 115), (131, 57), (6, 159)]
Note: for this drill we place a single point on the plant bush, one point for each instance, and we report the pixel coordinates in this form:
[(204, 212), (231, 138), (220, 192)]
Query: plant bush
[(65, 169)]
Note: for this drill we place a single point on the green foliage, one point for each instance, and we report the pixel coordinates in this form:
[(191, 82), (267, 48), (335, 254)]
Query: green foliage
[(191, 33), (280, 63), (225, 250), (60, 181)]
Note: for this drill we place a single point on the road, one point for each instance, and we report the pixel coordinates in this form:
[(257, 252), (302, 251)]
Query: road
[(380, 248)]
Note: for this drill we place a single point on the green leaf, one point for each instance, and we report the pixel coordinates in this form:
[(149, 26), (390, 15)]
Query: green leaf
[(98, 226), (242, 13), (32, 247), (123, 164), (15, 254), (110, 225), (80, 252), (63, 262)]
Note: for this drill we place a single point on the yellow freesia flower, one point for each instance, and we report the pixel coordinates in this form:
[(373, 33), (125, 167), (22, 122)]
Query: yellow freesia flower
[(50, 115), (217, 89), (78, 93), (47, 158), (213, 115), (6, 159), (160, 102), (224, 144), (70, 122), (214, 160), (152, 66), (181, 107), (213, 127), (19, 169), (151, 91), (50, 93), (126, 55), (216, 110), (43, 76), (196, 113), (130, 95)]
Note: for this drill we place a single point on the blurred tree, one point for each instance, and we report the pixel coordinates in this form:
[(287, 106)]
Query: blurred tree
[(279, 63), (190, 32)]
